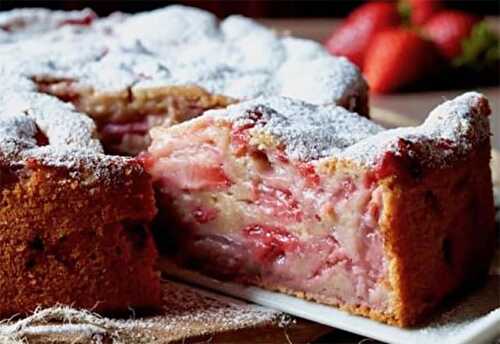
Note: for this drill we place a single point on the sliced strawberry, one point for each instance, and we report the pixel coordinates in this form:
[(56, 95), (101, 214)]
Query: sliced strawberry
[(239, 139), (307, 171), (190, 176), (396, 58), (146, 159), (353, 37), (240, 135), (85, 20), (448, 29), (270, 243), (278, 203), (189, 162), (281, 156)]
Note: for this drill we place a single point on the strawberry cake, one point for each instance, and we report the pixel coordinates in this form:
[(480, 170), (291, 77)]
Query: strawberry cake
[(132, 72), (73, 221), (322, 203)]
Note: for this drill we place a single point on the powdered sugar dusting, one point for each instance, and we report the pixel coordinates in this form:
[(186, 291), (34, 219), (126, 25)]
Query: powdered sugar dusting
[(307, 131), (179, 45), (451, 130), (311, 132), (72, 138)]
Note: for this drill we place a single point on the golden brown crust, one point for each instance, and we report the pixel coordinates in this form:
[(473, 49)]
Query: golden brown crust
[(73, 241), (439, 233)]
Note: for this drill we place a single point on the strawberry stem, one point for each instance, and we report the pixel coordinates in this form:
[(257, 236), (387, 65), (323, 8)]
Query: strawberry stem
[(480, 50)]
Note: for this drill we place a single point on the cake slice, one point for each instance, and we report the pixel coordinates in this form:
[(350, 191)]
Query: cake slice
[(324, 204), (74, 222)]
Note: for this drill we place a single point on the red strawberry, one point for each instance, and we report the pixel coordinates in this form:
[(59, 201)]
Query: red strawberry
[(448, 29), (270, 243), (419, 11), (352, 38), (396, 58)]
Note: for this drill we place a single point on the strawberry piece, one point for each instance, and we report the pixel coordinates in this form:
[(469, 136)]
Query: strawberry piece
[(396, 58), (240, 135), (419, 11), (196, 177), (270, 243), (85, 20), (278, 203), (353, 37), (448, 29), (307, 171)]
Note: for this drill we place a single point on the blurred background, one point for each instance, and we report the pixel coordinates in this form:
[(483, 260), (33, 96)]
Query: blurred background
[(255, 8)]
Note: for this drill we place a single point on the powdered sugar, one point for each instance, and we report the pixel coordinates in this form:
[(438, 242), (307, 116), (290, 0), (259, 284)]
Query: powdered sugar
[(72, 138), (451, 130), (311, 132), (178, 45), (307, 131)]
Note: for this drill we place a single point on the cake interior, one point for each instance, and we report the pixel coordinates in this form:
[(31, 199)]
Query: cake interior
[(124, 118), (257, 216)]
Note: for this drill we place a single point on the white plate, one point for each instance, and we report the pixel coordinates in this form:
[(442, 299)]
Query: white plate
[(476, 319)]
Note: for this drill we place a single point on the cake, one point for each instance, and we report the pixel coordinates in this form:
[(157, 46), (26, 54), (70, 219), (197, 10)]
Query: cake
[(75, 88), (132, 72), (279, 183), (74, 222), (321, 203)]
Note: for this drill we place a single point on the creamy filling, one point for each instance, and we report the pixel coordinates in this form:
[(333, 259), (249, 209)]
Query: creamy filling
[(257, 216)]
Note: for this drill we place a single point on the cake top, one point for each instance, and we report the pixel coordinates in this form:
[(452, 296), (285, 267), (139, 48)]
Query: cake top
[(178, 45), (35, 126), (307, 131), (313, 132)]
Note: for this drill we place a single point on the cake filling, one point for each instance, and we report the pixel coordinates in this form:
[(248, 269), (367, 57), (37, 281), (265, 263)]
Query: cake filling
[(125, 118), (252, 213)]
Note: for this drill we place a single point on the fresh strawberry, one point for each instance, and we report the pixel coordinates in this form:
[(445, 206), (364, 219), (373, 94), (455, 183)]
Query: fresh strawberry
[(396, 58), (418, 12), (352, 38), (448, 29)]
